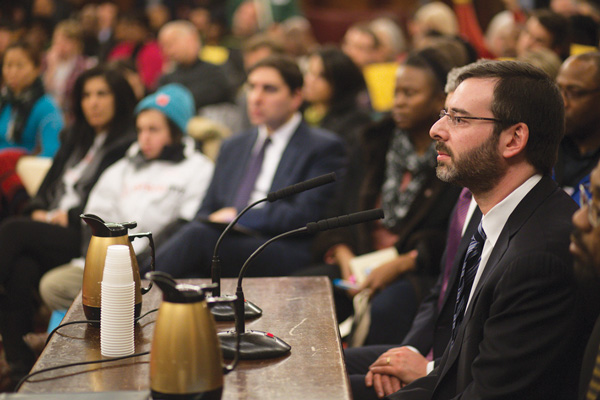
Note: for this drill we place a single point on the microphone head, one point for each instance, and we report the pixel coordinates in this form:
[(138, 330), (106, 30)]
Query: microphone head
[(301, 187), (344, 220)]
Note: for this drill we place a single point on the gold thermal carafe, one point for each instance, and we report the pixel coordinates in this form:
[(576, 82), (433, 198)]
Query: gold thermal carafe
[(105, 234), (185, 359)]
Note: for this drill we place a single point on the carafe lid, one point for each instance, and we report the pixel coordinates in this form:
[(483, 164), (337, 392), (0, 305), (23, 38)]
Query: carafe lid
[(106, 229), (178, 293)]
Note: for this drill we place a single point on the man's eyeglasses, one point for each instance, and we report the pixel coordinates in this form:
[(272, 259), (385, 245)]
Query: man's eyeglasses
[(456, 120), (571, 93), (586, 201)]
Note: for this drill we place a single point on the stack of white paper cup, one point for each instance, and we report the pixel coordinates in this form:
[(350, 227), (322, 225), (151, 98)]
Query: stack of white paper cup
[(117, 303)]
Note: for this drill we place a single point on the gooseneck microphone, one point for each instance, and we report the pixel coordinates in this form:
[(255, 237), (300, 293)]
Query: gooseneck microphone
[(224, 311), (256, 345)]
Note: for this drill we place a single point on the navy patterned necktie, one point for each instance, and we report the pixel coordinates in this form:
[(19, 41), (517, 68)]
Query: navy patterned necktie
[(467, 276), (253, 168)]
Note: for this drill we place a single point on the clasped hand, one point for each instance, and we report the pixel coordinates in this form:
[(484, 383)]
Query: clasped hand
[(395, 369)]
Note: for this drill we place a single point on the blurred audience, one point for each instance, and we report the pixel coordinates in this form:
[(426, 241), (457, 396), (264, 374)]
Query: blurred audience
[(547, 29), (50, 233), (160, 184), (392, 42), (181, 44), (279, 151), (579, 151), (361, 44), (332, 85), (64, 62), (435, 16), (29, 119), (136, 42), (393, 167)]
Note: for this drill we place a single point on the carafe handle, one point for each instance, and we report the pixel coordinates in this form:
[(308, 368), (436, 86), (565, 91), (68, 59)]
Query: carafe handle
[(148, 235), (228, 299)]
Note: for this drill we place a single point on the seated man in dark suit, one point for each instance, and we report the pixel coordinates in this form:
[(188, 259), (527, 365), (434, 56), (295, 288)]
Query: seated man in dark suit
[(517, 329), (585, 246), (282, 151)]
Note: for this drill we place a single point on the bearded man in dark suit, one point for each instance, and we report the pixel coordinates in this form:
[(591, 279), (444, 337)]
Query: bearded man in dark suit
[(517, 328)]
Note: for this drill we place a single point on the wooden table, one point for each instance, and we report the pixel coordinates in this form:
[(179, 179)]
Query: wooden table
[(298, 310)]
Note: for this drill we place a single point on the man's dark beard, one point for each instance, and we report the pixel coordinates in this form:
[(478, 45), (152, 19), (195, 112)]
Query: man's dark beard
[(479, 169)]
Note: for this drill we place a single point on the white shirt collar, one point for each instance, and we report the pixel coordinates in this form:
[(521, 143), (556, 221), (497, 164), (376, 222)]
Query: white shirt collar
[(493, 222), (282, 134)]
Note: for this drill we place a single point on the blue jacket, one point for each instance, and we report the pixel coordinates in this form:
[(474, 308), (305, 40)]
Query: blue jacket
[(41, 129)]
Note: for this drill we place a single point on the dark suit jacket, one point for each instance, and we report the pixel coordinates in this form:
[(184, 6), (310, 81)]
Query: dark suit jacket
[(522, 333), (432, 327), (310, 153)]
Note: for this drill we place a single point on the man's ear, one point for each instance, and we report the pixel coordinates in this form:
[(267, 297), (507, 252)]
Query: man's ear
[(513, 140)]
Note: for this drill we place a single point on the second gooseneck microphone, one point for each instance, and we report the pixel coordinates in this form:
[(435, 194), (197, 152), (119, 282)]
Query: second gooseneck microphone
[(224, 312), (259, 344)]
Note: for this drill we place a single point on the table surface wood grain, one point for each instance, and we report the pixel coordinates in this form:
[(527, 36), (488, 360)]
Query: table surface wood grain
[(298, 310)]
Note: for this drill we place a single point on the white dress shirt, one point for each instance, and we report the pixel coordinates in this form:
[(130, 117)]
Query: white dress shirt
[(493, 222), (279, 141)]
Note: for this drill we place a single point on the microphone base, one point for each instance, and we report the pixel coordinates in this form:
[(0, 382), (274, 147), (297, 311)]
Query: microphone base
[(226, 311), (254, 345)]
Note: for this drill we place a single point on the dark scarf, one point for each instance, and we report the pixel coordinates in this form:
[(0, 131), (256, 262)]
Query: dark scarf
[(174, 153), (402, 158), (21, 107)]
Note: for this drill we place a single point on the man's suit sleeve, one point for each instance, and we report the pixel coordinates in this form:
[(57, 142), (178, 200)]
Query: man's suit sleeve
[(528, 330), (421, 389), (422, 329), (296, 211), (215, 196)]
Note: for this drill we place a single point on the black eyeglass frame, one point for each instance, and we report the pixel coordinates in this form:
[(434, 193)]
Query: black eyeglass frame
[(444, 113)]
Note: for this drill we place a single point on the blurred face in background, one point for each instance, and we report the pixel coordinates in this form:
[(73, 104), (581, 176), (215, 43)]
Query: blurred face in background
[(270, 100), (417, 103), (580, 88), (64, 46), (316, 87), (585, 240), (360, 47), (98, 103), (179, 46), (533, 36), (153, 133), (18, 70)]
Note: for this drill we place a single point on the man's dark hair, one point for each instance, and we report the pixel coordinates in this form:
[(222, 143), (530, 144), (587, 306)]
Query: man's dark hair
[(525, 94), (558, 26), (287, 68)]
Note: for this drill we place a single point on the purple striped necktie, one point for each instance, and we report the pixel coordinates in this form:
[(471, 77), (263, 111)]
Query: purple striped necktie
[(455, 229), (253, 168)]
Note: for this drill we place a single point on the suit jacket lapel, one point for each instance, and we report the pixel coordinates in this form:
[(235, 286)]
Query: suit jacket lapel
[(289, 158), (519, 216), (242, 154)]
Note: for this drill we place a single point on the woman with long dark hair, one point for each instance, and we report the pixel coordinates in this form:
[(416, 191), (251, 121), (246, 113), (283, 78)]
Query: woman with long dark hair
[(333, 86), (50, 235)]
